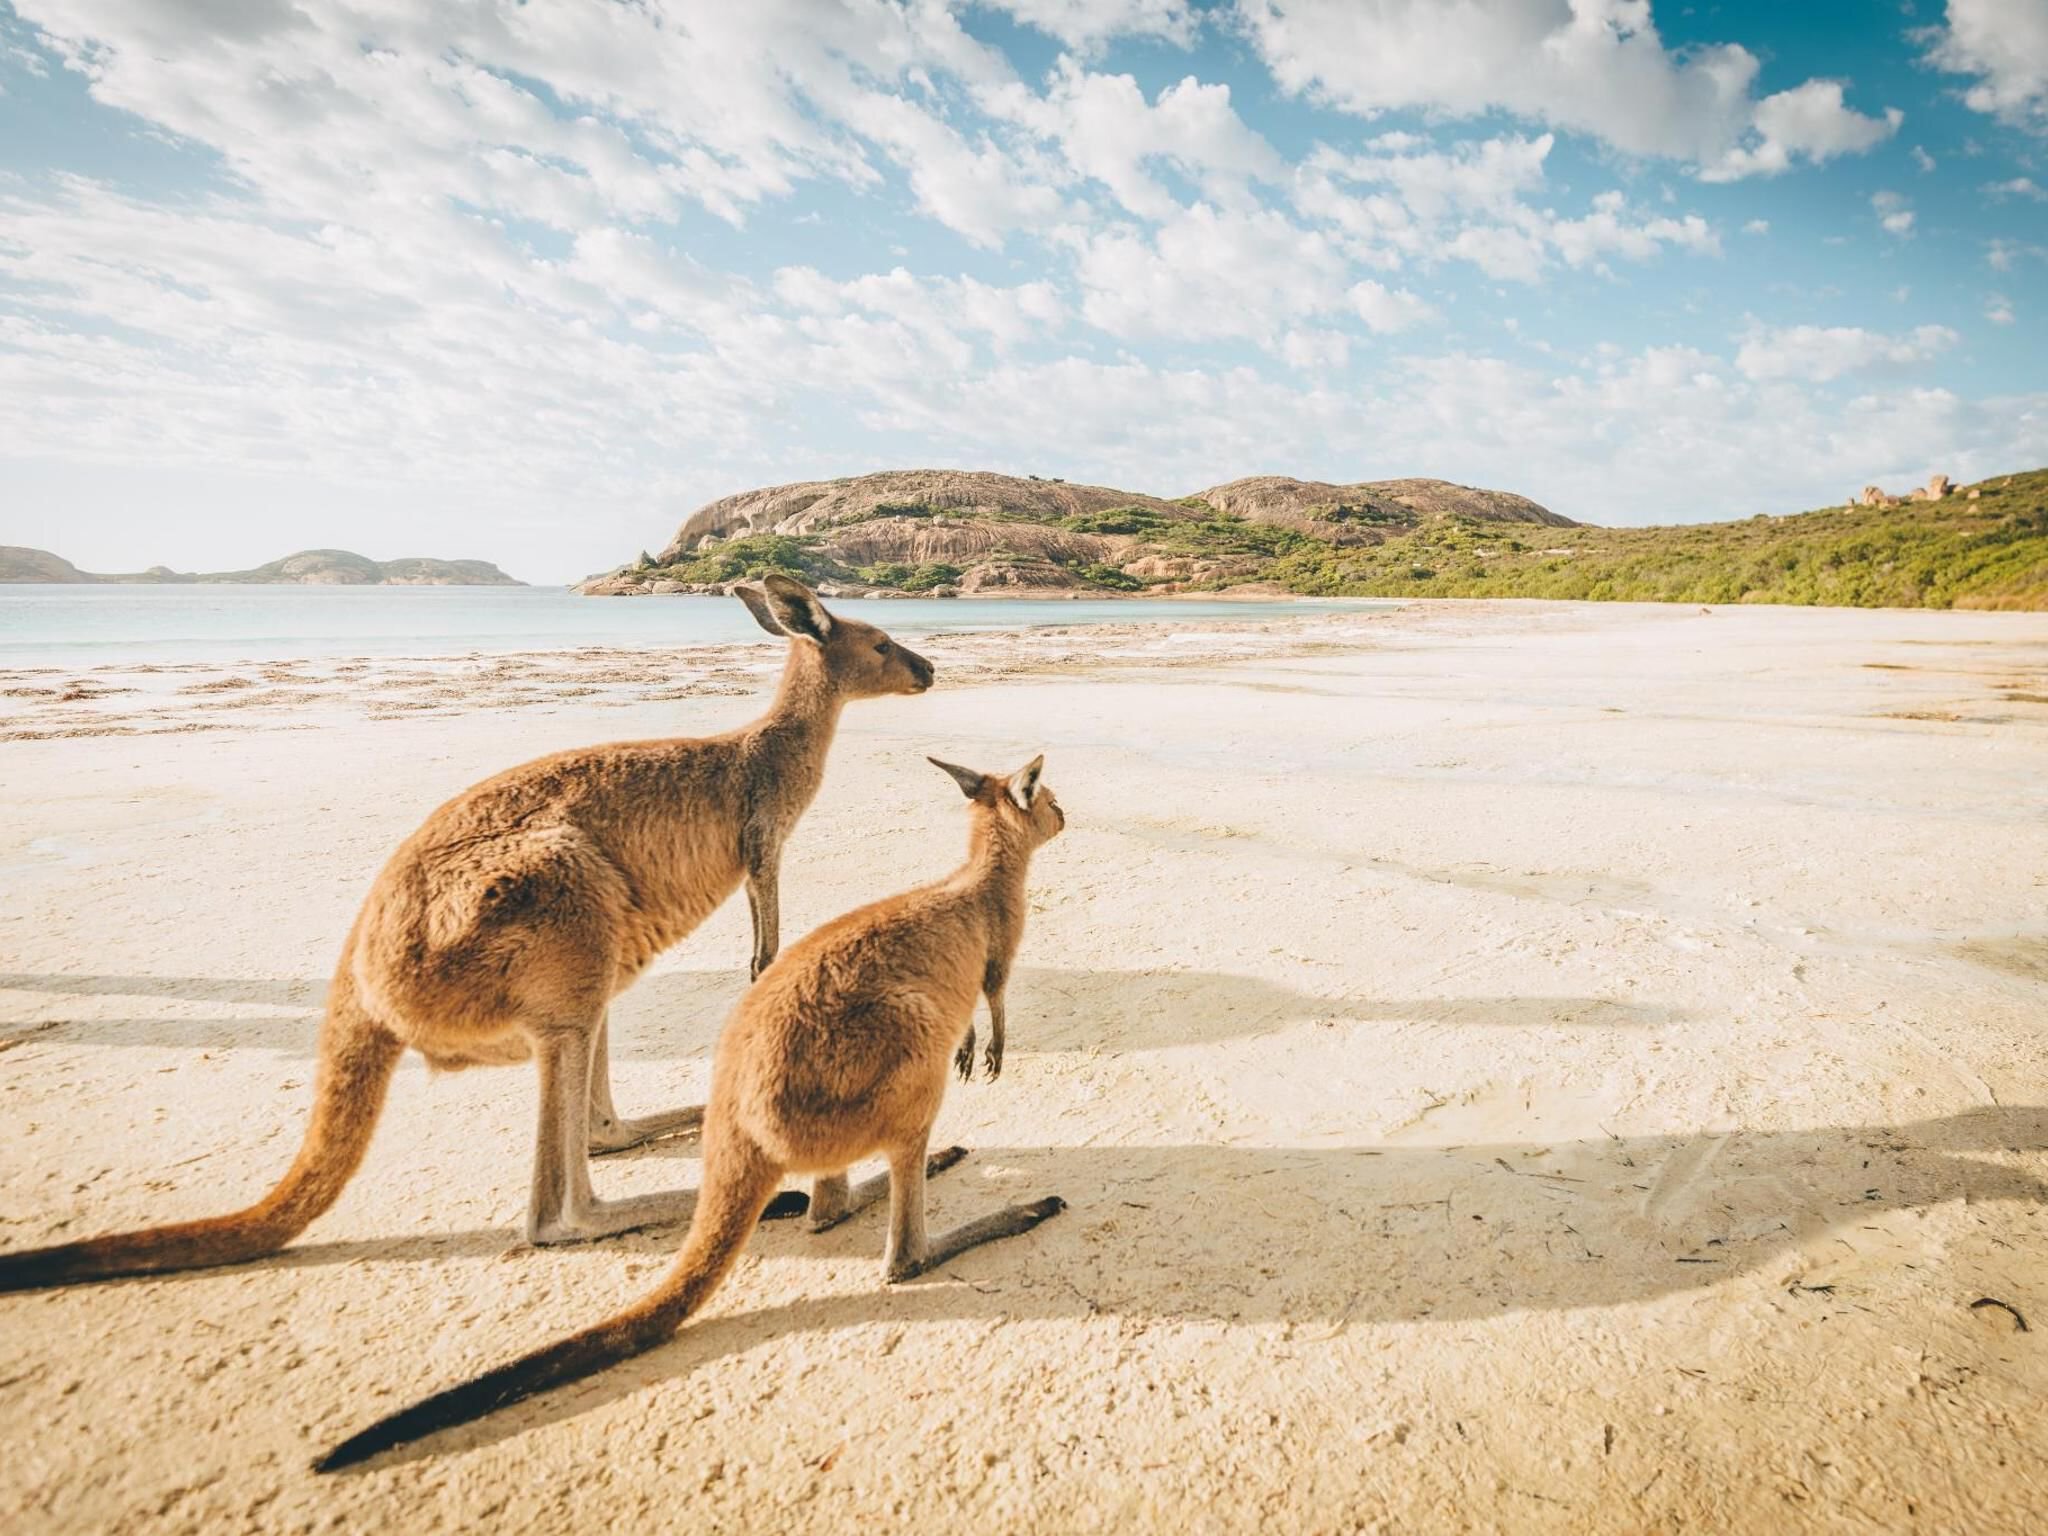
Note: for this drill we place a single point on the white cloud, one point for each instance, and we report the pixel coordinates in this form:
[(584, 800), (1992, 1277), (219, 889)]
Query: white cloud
[(1922, 161), (1109, 133), (1385, 311), (1316, 349), (1757, 227), (1820, 354), (1208, 275), (939, 311), (1810, 122), (1893, 214), (1403, 201), (974, 188), (1607, 229), (2019, 186), (1088, 24), (1998, 309), (2004, 43), (1590, 66), (2003, 255), (324, 106)]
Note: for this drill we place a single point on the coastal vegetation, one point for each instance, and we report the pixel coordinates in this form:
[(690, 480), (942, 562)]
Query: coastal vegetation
[(1980, 546)]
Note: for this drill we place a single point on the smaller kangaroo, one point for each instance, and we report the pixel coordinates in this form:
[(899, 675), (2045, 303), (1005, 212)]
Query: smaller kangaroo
[(502, 928), (840, 1050)]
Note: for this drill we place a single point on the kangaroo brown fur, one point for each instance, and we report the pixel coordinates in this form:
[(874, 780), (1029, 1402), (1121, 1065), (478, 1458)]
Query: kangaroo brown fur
[(839, 1051), (502, 928)]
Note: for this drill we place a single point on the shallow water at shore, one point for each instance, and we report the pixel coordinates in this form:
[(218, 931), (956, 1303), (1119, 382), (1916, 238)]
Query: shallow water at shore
[(87, 626)]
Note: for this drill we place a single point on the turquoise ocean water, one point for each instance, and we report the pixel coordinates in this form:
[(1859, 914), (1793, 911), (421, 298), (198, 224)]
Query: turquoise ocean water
[(83, 626)]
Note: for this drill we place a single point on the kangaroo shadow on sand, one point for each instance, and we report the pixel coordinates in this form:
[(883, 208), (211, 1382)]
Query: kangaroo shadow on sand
[(675, 1015), (1320, 1239)]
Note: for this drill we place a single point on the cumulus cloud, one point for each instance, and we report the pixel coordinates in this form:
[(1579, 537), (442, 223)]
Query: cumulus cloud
[(1326, 350), (1821, 354), (1894, 215), (1108, 133), (938, 310), (320, 103), (1403, 200), (2004, 45), (1087, 24), (1810, 122), (1208, 275), (1387, 311), (1597, 67)]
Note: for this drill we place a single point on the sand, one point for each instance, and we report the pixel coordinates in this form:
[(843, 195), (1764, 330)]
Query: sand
[(1512, 1066)]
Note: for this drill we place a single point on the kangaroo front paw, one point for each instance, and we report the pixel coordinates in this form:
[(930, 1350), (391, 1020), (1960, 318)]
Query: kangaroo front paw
[(963, 1059)]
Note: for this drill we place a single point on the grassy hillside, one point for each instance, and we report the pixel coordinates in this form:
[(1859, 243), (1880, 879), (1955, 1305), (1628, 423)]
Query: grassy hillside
[(1986, 552), (1956, 553)]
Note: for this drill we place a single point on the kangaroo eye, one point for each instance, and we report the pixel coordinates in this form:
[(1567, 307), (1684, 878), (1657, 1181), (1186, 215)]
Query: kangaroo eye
[(883, 649)]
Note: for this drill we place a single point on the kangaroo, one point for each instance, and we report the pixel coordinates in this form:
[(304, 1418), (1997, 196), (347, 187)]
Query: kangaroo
[(503, 927), (840, 1050)]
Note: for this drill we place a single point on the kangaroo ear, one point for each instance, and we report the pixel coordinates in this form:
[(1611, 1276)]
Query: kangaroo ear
[(796, 607), (969, 781), (1024, 782), (756, 600)]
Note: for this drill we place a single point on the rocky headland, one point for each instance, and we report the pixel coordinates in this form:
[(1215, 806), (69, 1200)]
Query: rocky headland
[(953, 533), (307, 568)]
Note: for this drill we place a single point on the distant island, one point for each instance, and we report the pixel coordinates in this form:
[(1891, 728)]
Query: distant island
[(308, 568), (949, 533)]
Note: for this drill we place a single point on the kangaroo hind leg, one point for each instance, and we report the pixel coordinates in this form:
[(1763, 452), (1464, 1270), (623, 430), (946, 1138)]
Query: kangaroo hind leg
[(611, 1131), (911, 1252), (562, 1207), (833, 1199)]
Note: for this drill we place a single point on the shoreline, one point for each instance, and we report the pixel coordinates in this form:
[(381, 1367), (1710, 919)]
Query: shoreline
[(125, 698), (51, 702)]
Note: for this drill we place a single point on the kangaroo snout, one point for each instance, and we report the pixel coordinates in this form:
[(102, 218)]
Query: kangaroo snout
[(921, 671)]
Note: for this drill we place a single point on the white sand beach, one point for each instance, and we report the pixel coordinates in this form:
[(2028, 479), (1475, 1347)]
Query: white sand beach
[(1528, 1067)]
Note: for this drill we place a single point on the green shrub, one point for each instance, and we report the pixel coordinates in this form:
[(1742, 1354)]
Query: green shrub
[(756, 555), (1116, 520), (909, 578), (1109, 576)]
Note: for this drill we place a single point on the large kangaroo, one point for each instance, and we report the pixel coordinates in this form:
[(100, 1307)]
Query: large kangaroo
[(839, 1051), (503, 927)]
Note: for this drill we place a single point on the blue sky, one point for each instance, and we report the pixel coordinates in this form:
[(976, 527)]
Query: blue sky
[(529, 282)]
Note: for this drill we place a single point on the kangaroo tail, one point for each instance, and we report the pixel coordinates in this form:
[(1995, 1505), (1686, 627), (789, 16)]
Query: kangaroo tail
[(737, 1182), (357, 1056)]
